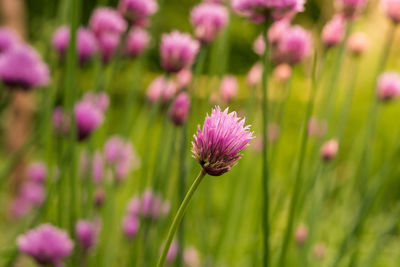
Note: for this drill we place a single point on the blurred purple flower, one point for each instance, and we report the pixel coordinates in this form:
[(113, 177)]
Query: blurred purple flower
[(107, 20), (208, 19), (329, 150), (282, 72), (86, 43), (178, 51), (358, 43), (98, 167), (134, 206), (277, 30), (334, 31), (228, 88), (99, 197), (172, 252), (100, 100), (33, 193), (108, 44), (351, 8), (392, 9), (8, 39), (261, 10), (388, 86), (162, 89), (184, 78), (136, 42), (179, 110), (88, 118), (21, 67), (37, 172), (254, 75), (87, 233), (295, 45), (137, 11), (218, 145), (130, 226), (46, 244)]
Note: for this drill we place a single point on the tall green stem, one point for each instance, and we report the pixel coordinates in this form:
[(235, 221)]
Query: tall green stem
[(265, 170), (297, 183), (181, 192), (179, 216)]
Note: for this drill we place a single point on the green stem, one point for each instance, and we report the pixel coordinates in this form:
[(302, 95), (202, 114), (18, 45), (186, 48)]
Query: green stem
[(265, 170), (297, 183), (181, 192), (179, 216)]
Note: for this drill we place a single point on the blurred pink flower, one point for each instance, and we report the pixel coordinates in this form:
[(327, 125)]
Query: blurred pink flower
[(107, 20), (295, 45), (301, 234), (37, 172), (22, 68), (388, 86), (137, 11), (191, 257), (47, 244), (178, 51), (334, 31), (259, 45), (319, 251), (162, 89), (282, 72), (358, 43), (130, 226), (208, 20), (179, 110), (254, 75), (228, 88), (329, 150), (87, 233), (184, 78), (136, 42), (8, 39), (392, 9)]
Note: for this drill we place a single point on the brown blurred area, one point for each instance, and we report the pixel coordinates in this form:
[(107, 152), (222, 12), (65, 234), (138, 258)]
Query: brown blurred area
[(18, 117)]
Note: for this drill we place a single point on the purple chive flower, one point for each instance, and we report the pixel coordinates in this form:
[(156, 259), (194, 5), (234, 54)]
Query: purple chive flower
[(88, 118), (218, 145), (301, 234), (319, 251), (260, 10), (61, 121), (172, 252), (351, 8), (8, 39), (86, 43), (334, 30), (87, 233), (100, 100), (47, 244), (19, 208), (392, 9), (184, 78), (107, 20), (295, 45), (147, 202), (137, 11), (317, 128), (108, 43), (228, 88), (120, 156), (161, 89), (208, 19), (329, 150), (358, 43), (282, 72), (136, 42), (191, 257), (130, 225), (259, 45), (21, 67), (37, 172), (98, 167), (33, 193), (60, 40), (134, 206), (276, 31), (255, 74), (179, 110), (99, 197), (388, 86), (178, 51)]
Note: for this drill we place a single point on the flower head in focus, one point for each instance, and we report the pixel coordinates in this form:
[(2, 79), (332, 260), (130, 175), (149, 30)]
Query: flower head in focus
[(218, 144)]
